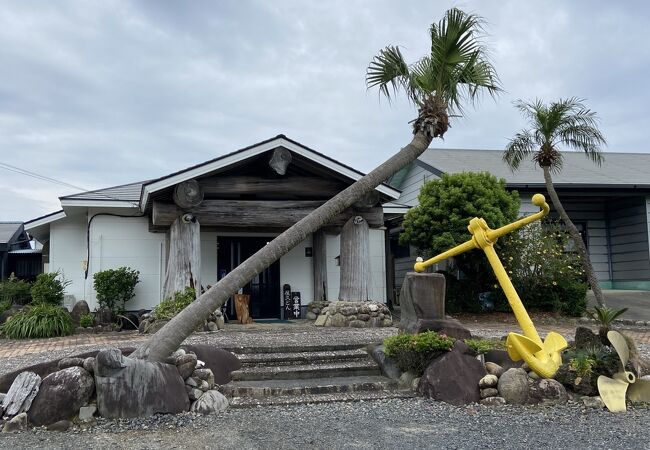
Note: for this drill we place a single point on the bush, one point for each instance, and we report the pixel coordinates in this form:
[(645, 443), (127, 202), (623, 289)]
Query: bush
[(546, 276), (414, 352), (13, 291), (40, 320), (115, 287), (49, 288), (86, 320), (482, 346), (168, 308)]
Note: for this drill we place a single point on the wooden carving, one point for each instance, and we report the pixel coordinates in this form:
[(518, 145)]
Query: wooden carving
[(188, 194), (355, 261), (242, 304), (280, 160)]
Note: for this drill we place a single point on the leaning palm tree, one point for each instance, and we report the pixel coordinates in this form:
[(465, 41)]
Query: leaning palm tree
[(457, 70), (565, 123)]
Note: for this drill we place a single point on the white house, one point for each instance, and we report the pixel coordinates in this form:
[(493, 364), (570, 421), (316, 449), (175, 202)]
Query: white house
[(249, 204)]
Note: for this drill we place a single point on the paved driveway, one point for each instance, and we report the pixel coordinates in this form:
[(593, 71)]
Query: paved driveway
[(637, 302)]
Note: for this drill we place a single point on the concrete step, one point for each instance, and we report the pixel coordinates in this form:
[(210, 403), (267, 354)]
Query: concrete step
[(284, 400), (312, 386), (268, 359), (294, 348), (316, 370)]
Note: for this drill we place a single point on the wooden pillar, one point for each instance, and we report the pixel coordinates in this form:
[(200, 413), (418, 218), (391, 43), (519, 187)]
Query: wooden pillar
[(319, 260), (355, 260), (184, 260)]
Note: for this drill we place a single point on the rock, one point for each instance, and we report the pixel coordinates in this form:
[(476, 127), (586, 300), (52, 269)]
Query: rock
[(585, 338), (387, 364), (61, 425), (311, 315), (205, 375), (160, 389), (79, 309), (70, 362), (415, 383), (448, 326), (494, 369), (493, 401), (211, 402), (221, 362), (373, 308), (320, 320), (61, 395), (220, 321), (501, 358), (452, 378), (5, 315), (21, 394), (463, 348), (104, 316), (204, 386), (488, 381), (143, 327), (89, 364), (86, 413), (357, 324), (348, 310), (580, 385), (212, 326), (533, 375), (422, 297), (194, 393), (547, 392), (17, 423), (186, 364), (489, 392), (513, 386), (593, 402), (407, 379)]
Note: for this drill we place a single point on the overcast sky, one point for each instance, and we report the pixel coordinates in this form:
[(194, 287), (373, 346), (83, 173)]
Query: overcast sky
[(100, 93)]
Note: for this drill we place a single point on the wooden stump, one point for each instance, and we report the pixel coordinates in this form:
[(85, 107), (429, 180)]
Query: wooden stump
[(355, 261), (184, 262), (242, 304), (319, 258)]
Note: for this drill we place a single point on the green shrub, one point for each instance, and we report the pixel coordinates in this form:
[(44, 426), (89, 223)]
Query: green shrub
[(168, 308), (414, 352), (40, 320), (547, 276), (115, 287), (13, 291), (86, 320), (49, 288), (481, 346)]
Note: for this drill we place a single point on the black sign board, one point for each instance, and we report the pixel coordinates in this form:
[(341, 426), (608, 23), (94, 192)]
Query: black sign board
[(295, 300), (287, 304)]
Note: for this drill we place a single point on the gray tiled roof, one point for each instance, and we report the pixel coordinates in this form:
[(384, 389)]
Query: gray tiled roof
[(7, 230), (618, 169), (125, 192)]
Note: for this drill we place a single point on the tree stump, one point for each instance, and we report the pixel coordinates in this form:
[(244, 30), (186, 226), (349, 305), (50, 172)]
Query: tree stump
[(355, 261), (184, 262), (242, 304)]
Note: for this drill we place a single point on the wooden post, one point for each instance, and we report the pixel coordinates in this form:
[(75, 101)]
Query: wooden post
[(355, 261), (319, 257), (184, 260)]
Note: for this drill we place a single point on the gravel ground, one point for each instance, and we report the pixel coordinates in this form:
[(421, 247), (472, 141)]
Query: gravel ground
[(394, 424)]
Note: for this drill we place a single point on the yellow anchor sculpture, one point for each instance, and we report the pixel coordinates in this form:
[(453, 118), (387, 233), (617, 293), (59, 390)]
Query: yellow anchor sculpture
[(543, 357)]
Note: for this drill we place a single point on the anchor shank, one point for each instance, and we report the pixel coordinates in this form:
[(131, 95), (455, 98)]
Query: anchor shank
[(517, 306)]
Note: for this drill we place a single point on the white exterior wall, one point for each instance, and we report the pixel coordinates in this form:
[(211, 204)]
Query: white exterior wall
[(296, 270), (209, 272), (68, 252), (377, 266)]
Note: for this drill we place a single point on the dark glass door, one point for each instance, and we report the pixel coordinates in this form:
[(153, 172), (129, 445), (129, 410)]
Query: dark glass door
[(264, 288)]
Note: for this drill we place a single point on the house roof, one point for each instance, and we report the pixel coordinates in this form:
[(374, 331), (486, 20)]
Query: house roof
[(124, 193), (618, 169), (8, 231)]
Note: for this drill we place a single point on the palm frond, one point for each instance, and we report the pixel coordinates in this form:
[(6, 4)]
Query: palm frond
[(388, 70), (518, 149)]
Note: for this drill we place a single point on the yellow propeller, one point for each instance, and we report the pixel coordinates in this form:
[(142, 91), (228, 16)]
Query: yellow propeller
[(613, 390)]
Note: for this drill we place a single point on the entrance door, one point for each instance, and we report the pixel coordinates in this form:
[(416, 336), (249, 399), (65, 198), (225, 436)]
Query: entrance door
[(264, 289)]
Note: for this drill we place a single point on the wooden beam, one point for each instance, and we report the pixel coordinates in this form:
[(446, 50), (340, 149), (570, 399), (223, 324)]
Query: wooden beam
[(290, 185), (260, 213)]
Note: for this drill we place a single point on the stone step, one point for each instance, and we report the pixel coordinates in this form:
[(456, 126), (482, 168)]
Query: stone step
[(285, 400), (312, 386), (294, 348), (293, 372), (267, 359)]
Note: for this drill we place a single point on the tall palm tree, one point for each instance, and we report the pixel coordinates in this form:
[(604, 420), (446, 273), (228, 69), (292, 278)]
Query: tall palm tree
[(457, 70), (565, 123)]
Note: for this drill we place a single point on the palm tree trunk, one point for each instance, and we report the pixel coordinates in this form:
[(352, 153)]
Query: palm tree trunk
[(575, 235), (169, 337)]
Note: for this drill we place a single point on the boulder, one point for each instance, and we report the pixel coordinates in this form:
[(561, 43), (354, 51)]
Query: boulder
[(422, 297), (158, 388), (17, 423), (493, 401), (5, 315), (406, 380), (204, 375), (585, 338), (547, 392), (580, 385), (488, 381), (70, 362), (453, 378), (212, 326), (104, 316), (513, 386), (387, 364), (79, 309), (489, 392), (21, 394), (86, 413), (186, 364), (501, 358), (211, 402), (89, 364), (494, 369), (593, 402), (61, 395), (221, 362), (61, 425)]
